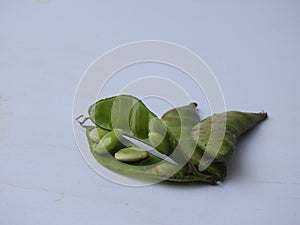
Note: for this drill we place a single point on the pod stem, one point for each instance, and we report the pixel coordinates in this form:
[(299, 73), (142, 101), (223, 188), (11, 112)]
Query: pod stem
[(81, 123), (190, 166)]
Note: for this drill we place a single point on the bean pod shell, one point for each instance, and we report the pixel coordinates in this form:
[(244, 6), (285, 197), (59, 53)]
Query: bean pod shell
[(220, 145)]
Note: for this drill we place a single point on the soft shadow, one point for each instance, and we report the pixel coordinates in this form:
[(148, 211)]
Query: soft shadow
[(188, 185), (235, 168)]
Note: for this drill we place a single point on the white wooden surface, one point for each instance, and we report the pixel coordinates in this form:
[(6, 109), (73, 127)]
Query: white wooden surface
[(46, 45)]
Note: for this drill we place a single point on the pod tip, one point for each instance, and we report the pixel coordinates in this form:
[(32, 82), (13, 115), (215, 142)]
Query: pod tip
[(264, 114), (194, 103)]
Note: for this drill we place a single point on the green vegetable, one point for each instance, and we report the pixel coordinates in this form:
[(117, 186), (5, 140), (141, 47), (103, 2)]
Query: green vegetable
[(110, 142), (132, 154), (235, 123), (180, 121), (123, 112), (136, 120), (149, 168), (159, 142), (97, 133), (198, 148)]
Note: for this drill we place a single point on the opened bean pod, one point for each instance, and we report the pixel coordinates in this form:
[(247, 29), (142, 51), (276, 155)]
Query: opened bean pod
[(179, 135), (150, 167)]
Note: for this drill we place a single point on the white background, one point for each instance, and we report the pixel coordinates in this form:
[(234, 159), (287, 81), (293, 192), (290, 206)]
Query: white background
[(45, 47)]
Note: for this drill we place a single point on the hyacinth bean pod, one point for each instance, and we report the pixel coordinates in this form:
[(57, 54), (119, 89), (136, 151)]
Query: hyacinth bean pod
[(151, 167), (195, 150), (235, 123)]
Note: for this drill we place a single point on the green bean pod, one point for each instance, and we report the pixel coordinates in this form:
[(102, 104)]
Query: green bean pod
[(135, 117), (201, 146), (136, 120), (151, 167), (180, 121), (233, 124)]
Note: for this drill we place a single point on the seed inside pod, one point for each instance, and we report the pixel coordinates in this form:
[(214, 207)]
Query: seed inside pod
[(110, 142), (159, 142), (97, 133), (132, 154)]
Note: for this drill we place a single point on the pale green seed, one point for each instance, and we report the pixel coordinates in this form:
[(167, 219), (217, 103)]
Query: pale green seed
[(110, 142), (167, 168), (132, 154), (159, 142), (97, 133)]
